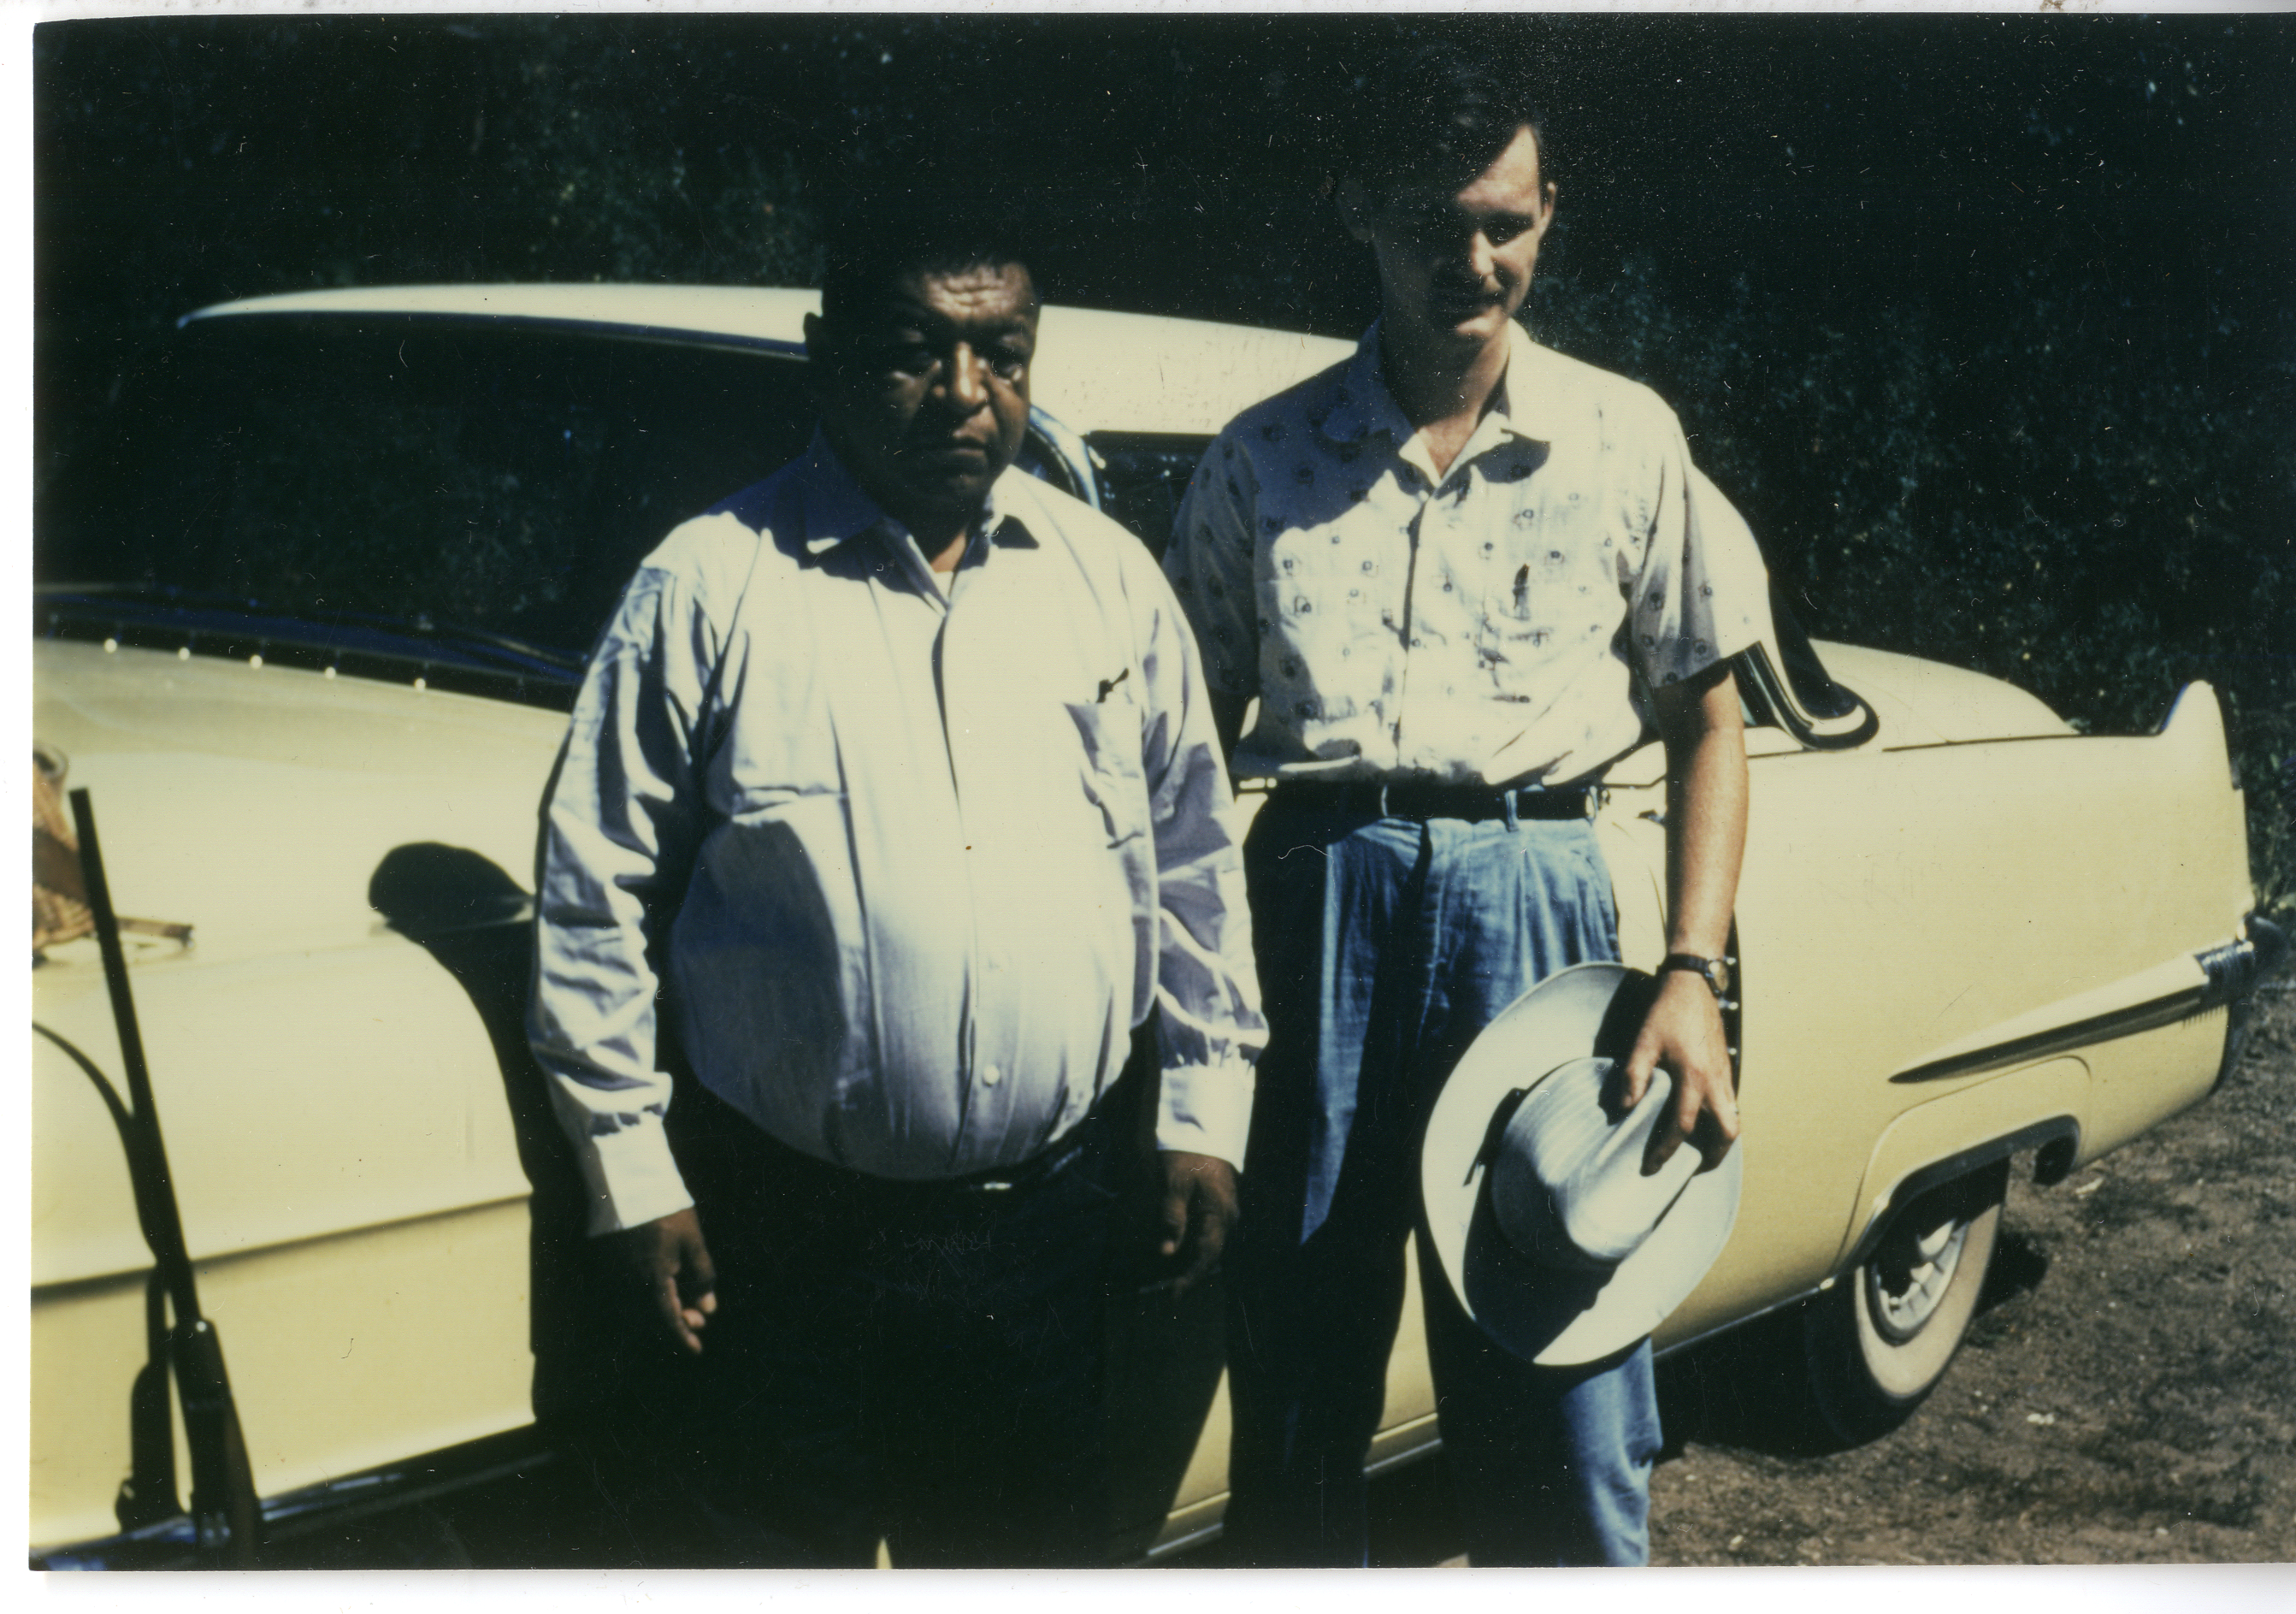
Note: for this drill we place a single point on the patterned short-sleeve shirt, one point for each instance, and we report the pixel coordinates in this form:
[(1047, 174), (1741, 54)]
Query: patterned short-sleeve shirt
[(1500, 621)]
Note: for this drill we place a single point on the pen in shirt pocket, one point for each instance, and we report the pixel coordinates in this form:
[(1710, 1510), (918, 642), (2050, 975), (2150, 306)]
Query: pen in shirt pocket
[(1107, 686)]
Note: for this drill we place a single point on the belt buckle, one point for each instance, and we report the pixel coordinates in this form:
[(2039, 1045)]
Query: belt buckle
[(1537, 802), (1051, 1163)]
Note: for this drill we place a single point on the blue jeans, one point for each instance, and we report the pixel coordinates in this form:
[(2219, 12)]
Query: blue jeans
[(1384, 946)]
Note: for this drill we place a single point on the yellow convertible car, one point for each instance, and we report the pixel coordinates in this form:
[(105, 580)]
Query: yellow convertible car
[(309, 614)]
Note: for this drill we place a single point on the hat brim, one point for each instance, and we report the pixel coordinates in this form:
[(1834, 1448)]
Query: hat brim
[(1546, 1315)]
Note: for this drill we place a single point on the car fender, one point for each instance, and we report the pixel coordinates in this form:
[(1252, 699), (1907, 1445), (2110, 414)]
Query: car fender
[(351, 1196), (1958, 1133)]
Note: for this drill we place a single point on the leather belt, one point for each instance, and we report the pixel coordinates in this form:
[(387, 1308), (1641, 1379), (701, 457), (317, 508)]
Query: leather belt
[(1473, 803), (1036, 1169)]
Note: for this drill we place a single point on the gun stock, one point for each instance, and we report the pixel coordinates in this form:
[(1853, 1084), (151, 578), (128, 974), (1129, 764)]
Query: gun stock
[(225, 1512), (224, 1506)]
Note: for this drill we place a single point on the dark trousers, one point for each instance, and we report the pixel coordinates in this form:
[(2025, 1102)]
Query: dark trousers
[(919, 1362)]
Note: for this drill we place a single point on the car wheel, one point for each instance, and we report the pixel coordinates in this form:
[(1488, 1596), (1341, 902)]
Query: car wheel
[(1879, 1340)]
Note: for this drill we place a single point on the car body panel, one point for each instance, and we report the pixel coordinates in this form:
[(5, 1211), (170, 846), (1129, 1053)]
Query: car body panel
[(351, 1199), (1193, 1506), (1860, 962), (323, 775), (1930, 1130), (345, 1354), (333, 1105), (1929, 703)]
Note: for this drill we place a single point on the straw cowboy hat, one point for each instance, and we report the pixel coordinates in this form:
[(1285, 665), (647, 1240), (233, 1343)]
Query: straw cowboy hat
[(1551, 1235)]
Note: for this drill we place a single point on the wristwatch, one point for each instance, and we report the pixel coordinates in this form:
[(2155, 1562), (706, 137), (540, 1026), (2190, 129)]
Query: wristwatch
[(1714, 972)]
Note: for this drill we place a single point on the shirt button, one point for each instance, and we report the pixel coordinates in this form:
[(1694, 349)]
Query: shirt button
[(990, 1077)]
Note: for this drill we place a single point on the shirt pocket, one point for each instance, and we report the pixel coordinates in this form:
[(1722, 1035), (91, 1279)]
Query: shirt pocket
[(1113, 781), (1520, 634), (1554, 594), (1110, 732)]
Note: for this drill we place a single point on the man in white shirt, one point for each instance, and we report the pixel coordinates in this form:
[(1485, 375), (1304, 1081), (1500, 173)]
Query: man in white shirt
[(1459, 573), (894, 781)]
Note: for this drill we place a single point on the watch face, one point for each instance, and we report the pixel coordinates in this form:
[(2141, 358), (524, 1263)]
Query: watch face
[(1718, 976)]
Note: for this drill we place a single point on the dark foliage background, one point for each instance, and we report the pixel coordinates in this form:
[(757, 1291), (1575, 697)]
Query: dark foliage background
[(1983, 321)]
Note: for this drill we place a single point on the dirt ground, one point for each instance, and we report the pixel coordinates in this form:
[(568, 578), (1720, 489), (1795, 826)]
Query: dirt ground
[(2126, 1394)]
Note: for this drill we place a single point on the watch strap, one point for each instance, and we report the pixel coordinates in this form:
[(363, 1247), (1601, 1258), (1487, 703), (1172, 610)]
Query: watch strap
[(1714, 972)]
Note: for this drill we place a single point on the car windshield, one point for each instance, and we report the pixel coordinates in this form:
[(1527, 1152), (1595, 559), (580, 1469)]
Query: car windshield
[(372, 476)]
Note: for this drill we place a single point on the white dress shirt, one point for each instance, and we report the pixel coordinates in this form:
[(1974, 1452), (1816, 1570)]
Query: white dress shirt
[(913, 859), (1483, 625)]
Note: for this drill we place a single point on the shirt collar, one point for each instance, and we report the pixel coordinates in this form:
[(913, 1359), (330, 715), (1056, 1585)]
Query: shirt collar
[(838, 509), (1530, 391), (1359, 403)]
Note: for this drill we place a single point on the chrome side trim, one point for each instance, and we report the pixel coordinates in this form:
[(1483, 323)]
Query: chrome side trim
[(1212, 1530), (2267, 950), (169, 1544), (1181, 1543), (1660, 1352), (2233, 971), (2062, 1039), (2235, 968)]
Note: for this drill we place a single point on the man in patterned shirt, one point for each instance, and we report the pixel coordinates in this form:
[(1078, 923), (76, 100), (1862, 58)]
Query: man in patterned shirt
[(1460, 573)]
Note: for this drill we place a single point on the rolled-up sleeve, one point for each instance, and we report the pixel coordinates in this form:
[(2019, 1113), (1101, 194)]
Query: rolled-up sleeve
[(1209, 1027), (1701, 593), (618, 827)]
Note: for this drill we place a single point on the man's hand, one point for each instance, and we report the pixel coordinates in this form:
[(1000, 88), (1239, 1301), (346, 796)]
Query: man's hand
[(1199, 1209), (670, 1261), (1683, 1033)]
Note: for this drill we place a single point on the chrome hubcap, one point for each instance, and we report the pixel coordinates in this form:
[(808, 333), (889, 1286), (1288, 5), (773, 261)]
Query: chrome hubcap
[(1908, 1278)]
